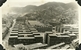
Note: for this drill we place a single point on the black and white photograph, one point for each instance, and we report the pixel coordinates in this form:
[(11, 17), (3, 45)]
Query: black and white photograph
[(40, 24)]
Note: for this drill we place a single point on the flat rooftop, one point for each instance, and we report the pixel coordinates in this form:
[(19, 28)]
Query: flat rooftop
[(13, 36), (38, 36), (34, 22), (72, 34), (52, 35), (26, 38), (73, 30), (13, 33), (34, 31), (63, 36), (24, 32), (48, 32)]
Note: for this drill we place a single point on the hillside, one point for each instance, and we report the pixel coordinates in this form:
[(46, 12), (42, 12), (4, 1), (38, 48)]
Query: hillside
[(26, 9), (56, 12), (51, 12)]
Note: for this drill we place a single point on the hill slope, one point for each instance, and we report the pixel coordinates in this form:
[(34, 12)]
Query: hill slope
[(51, 12)]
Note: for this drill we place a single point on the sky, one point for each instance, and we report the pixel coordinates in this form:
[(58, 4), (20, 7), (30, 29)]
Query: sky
[(18, 3)]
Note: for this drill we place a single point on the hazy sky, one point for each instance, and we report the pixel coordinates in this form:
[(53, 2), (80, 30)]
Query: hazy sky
[(18, 3)]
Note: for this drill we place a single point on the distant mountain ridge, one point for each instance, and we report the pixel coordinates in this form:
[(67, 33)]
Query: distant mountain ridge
[(25, 9), (60, 12), (31, 8)]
